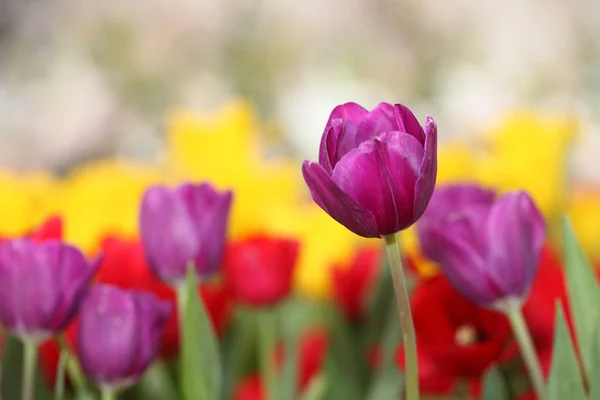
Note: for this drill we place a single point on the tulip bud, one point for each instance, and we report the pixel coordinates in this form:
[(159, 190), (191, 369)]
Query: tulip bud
[(41, 286), (182, 226), (376, 169), (489, 253), (259, 270), (119, 334)]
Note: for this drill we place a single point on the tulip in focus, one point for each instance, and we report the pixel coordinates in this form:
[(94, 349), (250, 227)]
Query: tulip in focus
[(119, 335), (259, 270), (489, 252), (376, 170), (182, 226), (41, 286)]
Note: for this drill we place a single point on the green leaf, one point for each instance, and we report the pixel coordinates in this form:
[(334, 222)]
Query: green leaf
[(594, 377), (494, 386), (267, 327), (156, 384), (59, 388), (338, 384), (200, 373), (287, 382), (565, 378), (584, 294)]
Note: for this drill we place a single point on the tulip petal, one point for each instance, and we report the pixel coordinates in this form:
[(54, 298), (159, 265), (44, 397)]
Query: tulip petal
[(428, 170), (386, 117), (465, 268), (336, 203), (515, 233), (339, 136), (380, 176), (108, 337), (167, 232), (209, 211), (152, 314)]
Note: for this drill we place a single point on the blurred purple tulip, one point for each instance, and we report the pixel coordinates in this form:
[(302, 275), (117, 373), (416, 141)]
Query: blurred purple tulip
[(489, 252), (183, 225), (119, 334), (376, 169), (41, 286)]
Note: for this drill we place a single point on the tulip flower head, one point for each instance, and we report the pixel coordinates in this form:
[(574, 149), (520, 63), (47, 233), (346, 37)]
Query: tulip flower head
[(119, 334), (376, 170), (182, 226), (488, 251), (41, 286)]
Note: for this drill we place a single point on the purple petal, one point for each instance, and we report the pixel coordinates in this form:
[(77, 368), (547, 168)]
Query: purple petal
[(348, 111), (379, 120), (380, 176), (515, 233), (109, 334), (465, 268), (338, 139), (336, 203), (427, 171), (152, 315), (167, 232), (407, 122)]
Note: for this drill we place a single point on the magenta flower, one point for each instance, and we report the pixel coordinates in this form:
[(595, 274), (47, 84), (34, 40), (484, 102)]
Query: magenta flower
[(41, 286), (184, 225), (119, 334), (489, 252), (376, 169)]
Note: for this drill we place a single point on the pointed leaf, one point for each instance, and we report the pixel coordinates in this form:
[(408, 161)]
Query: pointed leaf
[(317, 388), (200, 354), (337, 383), (287, 382), (584, 294), (594, 376), (59, 388), (494, 386), (565, 377)]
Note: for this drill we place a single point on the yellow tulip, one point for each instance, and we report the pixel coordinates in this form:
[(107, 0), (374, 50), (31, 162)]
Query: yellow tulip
[(584, 214)]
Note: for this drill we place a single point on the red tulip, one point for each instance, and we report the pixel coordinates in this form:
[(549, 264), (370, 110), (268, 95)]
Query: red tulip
[(259, 270), (50, 229), (249, 388), (457, 339), (352, 284)]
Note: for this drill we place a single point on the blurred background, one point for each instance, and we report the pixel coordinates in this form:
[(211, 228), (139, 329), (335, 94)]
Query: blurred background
[(201, 89)]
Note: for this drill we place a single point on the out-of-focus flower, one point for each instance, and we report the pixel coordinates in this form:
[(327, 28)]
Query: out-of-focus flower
[(124, 265), (457, 339), (376, 169), (23, 204), (183, 225), (223, 148), (42, 286), (249, 388), (119, 334), (103, 198), (50, 229), (259, 270), (315, 231), (584, 214), (516, 155), (314, 345), (489, 253), (352, 283)]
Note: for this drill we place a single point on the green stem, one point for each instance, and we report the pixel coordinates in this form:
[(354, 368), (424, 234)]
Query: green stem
[(408, 330), (59, 389), (73, 368), (107, 393), (182, 296), (267, 338), (519, 327), (30, 349)]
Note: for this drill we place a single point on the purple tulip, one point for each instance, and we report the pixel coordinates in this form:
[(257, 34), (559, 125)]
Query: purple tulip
[(41, 286), (184, 225), (376, 169), (119, 334), (489, 253)]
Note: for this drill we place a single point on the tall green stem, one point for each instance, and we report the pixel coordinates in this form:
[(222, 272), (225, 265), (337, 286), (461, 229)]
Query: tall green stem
[(107, 393), (182, 295), (408, 330), (519, 327), (73, 368), (267, 338), (30, 349)]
